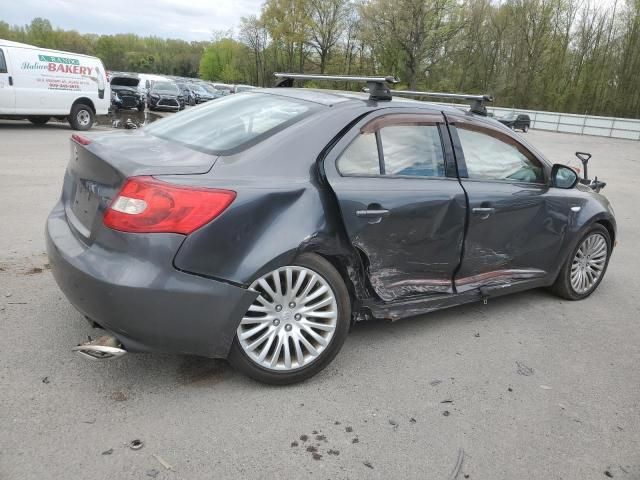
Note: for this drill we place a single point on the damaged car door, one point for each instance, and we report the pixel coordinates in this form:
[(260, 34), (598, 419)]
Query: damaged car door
[(401, 202), (516, 223)]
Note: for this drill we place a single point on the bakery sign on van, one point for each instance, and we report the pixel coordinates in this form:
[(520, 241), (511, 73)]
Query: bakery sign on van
[(59, 65)]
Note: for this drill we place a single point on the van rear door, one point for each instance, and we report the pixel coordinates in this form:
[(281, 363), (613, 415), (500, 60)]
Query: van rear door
[(7, 92)]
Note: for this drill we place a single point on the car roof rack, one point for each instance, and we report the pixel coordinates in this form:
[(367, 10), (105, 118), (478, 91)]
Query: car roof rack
[(477, 101), (376, 86)]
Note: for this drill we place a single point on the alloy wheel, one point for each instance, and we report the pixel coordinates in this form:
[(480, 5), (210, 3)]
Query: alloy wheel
[(589, 263), (291, 322)]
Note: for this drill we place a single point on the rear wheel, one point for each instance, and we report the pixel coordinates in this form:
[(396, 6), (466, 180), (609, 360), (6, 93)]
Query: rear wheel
[(525, 129), (39, 120), (81, 117), (297, 324), (584, 269)]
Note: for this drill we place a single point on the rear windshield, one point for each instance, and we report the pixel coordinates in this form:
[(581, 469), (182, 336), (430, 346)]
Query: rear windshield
[(231, 123)]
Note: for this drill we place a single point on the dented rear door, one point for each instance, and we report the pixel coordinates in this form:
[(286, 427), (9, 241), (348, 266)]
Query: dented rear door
[(400, 201)]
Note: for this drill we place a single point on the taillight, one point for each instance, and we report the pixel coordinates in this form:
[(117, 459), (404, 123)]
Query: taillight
[(147, 205), (81, 139)]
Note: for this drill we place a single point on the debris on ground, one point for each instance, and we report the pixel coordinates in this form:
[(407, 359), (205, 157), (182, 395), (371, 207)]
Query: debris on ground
[(316, 456), (368, 465), (355, 440), (336, 423), (162, 461), (304, 438), (312, 449), (458, 465), (294, 444), (608, 473), (153, 473), (33, 271), (333, 452), (136, 444), (509, 389), (524, 370), (393, 423), (435, 382), (546, 387), (322, 438), (45, 380), (477, 334), (446, 413), (108, 452), (348, 429), (448, 400), (412, 420)]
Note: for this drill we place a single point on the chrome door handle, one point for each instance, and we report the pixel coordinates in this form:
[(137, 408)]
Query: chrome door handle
[(372, 213), (484, 211)]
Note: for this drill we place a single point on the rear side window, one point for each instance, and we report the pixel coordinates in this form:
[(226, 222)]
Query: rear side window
[(406, 150), (231, 123), (3, 63), (414, 150), (491, 156)]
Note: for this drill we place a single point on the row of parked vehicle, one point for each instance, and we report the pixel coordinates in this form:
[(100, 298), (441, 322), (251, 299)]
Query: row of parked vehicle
[(137, 91)]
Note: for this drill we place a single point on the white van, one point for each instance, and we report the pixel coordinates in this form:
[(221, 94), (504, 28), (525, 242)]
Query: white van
[(38, 84)]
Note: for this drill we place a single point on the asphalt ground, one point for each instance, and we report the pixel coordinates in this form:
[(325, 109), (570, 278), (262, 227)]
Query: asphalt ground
[(528, 386)]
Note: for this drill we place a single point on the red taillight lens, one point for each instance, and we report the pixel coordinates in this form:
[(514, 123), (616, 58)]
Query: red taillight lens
[(81, 139), (147, 205)]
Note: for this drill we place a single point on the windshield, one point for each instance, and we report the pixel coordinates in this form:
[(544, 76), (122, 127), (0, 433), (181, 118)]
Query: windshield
[(198, 88), (165, 87), (232, 122), (510, 116)]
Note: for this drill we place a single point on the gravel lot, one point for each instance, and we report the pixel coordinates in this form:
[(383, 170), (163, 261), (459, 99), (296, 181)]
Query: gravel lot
[(399, 401)]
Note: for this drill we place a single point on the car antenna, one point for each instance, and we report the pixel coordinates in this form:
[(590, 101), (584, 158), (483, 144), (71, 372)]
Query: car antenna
[(376, 86), (477, 101)]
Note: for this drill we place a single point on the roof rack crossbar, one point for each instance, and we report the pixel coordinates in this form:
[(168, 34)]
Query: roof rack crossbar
[(477, 101), (377, 86)]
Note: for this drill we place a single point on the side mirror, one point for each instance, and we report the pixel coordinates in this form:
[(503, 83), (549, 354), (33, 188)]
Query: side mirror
[(563, 176)]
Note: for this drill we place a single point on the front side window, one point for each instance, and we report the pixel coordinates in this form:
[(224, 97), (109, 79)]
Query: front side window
[(492, 156), (3, 63), (231, 123)]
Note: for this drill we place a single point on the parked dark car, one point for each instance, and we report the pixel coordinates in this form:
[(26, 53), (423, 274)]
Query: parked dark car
[(165, 96), (516, 121), (259, 226), (125, 93), (187, 93), (201, 93)]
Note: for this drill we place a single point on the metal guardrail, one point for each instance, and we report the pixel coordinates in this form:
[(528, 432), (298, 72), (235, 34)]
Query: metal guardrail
[(627, 128)]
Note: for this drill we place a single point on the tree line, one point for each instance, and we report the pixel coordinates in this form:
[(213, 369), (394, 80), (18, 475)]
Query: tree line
[(580, 56)]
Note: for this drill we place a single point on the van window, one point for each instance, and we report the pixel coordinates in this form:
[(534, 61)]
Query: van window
[(3, 62)]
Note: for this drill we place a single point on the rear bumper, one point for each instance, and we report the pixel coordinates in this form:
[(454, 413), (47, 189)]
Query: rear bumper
[(132, 289)]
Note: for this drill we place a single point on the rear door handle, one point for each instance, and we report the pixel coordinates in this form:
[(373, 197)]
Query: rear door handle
[(483, 210), (383, 212), (10, 80)]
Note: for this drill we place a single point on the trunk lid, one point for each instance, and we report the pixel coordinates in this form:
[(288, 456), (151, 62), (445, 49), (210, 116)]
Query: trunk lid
[(97, 171)]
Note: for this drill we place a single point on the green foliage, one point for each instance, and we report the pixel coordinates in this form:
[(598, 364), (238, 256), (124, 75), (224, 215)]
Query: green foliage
[(562, 55)]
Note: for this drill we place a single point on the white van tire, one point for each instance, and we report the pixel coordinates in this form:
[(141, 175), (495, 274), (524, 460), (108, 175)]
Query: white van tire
[(81, 117)]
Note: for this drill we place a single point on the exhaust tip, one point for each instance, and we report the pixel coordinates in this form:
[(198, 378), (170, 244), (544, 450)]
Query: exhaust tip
[(106, 347)]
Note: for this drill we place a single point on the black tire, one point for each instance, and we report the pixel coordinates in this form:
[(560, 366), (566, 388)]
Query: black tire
[(81, 117), (141, 108), (39, 120), (192, 102), (525, 129), (152, 108), (241, 361), (562, 286)]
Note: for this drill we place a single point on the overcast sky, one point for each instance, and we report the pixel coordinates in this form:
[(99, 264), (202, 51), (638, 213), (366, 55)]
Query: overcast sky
[(185, 19)]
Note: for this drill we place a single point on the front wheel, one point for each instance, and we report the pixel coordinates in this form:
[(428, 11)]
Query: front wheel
[(296, 325), (525, 129), (584, 269), (81, 117)]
